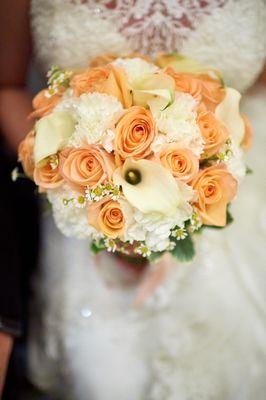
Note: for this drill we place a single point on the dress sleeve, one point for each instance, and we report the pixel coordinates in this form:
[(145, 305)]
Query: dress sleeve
[(10, 266), (18, 245)]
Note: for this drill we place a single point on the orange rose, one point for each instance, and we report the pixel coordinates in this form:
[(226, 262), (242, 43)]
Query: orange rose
[(212, 91), (86, 166), (47, 177), (248, 136), (107, 217), (182, 163), (89, 80), (117, 85), (101, 61), (25, 154), (213, 132), (43, 105), (201, 108), (106, 79), (215, 187), (201, 86), (164, 59), (186, 83), (134, 132)]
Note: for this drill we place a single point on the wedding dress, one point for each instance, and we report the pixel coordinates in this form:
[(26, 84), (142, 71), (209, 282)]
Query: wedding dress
[(202, 334)]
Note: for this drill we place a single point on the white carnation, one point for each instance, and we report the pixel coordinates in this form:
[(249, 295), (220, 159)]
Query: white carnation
[(178, 122), (68, 102), (155, 228), (94, 113), (71, 220), (135, 68), (157, 144)]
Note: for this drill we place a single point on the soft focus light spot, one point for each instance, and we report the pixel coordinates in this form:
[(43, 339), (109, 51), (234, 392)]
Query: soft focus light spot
[(86, 312)]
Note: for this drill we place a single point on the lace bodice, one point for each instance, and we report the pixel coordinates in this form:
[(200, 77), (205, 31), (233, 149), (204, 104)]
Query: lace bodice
[(228, 34)]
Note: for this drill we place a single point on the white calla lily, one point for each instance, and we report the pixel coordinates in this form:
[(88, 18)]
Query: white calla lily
[(141, 97), (156, 191), (228, 113), (52, 134), (184, 64), (153, 86), (135, 68)]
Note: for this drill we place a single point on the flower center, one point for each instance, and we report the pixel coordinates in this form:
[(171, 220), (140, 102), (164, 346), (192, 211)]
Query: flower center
[(133, 176)]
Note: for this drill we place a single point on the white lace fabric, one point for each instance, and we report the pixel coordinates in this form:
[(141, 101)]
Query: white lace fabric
[(201, 336), (150, 25), (70, 32)]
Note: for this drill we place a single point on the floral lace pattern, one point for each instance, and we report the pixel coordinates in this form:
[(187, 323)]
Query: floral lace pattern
[(153, 25), (69, 33)]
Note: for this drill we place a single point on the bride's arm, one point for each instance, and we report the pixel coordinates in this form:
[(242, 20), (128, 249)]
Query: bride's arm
[(262, 78), (15, 104), (5, 349), (15, 48)]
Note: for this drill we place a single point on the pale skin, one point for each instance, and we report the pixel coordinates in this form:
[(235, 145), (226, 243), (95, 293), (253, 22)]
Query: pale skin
[(15, 100)]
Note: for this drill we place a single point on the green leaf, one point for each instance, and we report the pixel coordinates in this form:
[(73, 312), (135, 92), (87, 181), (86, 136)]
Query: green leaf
[(46, 206), (176, 54), (249, 170), (155, 255), (229, 218), (135, 260), (184, 249), (97, 246), (222, 82), (199, 230)]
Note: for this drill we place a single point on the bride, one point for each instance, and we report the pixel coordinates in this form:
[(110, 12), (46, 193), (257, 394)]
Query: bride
[(202, 333)]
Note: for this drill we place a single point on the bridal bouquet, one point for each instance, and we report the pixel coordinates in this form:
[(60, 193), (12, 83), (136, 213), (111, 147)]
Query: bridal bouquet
[(137, 155)]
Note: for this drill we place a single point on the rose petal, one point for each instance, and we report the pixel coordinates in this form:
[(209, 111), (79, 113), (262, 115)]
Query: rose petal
[(117, 85)]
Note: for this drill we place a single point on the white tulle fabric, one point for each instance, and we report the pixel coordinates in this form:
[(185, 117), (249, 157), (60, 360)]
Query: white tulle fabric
[(202, 334)]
